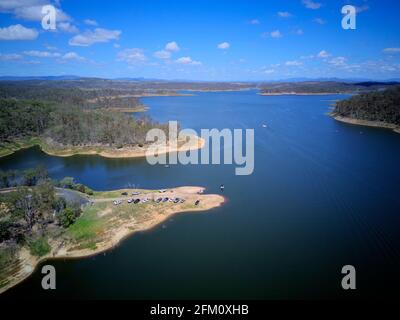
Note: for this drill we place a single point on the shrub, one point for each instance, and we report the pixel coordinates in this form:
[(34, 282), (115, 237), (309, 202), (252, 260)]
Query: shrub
[(67, 217), (39, 246)]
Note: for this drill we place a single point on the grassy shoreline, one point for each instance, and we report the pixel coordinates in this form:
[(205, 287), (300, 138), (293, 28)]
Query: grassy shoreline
[(103, 225)]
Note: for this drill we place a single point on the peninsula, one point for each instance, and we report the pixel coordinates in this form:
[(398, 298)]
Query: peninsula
[(102, 220), (374, 109)]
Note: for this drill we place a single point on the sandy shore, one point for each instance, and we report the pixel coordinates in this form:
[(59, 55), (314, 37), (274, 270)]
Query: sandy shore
[(377, 124), (119, 229), (109, 152)]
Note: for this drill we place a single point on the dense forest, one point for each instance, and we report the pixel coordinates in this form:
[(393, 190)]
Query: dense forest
[(71, 125), (75, 96), (381, 106)]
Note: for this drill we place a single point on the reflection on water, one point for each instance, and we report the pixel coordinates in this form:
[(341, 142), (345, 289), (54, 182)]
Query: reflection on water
[(322, 196)]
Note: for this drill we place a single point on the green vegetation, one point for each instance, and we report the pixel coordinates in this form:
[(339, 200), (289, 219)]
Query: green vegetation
[(39, 247), (89, 225), (382, 106), (67, 217), (69, 183)]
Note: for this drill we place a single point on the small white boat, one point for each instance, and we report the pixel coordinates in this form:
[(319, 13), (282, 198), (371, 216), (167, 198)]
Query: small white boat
[(264, 126)]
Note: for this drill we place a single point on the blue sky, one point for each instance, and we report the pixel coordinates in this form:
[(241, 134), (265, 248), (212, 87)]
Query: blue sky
[(201, 40)]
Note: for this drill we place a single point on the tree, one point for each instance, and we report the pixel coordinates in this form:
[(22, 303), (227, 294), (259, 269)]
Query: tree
[(31, 177), (67, 217), (67, 182), (27, 204)]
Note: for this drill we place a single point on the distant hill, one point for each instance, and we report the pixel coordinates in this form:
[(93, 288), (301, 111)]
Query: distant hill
[(15, 78), (322, 87)]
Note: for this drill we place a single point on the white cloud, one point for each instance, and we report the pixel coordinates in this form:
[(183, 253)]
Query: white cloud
[(311, 56), (10, 57), (319, 21), (51, 48), (299, 32), (162, 54), (34, 13), (309, 4), (18, 32), (132, 56), (293, 63), (90, 22), (98, 35), (67, 27), (269, 71), (42, 54), (10, 5), (72, 56), (284, 14), (323, 54), (172, 46), (224, 45), (338, 61), (187, 61), (254, 21), (391, 50), (276, 34), (116, 45), (362, 8)]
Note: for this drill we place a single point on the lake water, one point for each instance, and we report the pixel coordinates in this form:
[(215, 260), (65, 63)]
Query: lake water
[(323, 195)]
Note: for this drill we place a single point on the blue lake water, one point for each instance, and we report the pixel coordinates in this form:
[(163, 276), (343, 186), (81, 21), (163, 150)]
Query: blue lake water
[(323, 195)]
